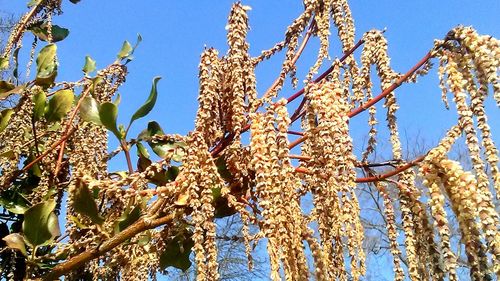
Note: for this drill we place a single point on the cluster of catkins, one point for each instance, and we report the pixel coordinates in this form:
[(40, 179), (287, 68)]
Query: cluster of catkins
[(264, 187)]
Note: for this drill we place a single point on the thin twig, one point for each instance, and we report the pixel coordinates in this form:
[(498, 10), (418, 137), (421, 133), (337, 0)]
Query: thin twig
[(294, 59), (69, 124), (224, 142), (46, 152), (139, 226), (376, 99), (376, 177)]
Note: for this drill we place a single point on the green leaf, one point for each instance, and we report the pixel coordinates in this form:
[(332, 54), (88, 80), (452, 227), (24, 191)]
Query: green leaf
[(108, 113), (89, 110), (118, 99), (149, 104), (46, 65), (39, 225), (15, 56), (222, 169), (33, 3), (16, 90), (128, 218), (125, 51), (96, 81), (172, 173), (8, 154), (89, 65), (15, 241), (59, 105), (4, 63), (177, 253), (77, 222), (84, 203), (14, 204), (41, 30), (142, 151), (40, 101), (5, 117), (161, 148), (6, 86), (153, 129), (53, 225)]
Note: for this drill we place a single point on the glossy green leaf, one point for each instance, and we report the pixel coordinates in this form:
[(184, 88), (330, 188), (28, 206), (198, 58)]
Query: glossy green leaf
[(222, 169), (16, 90), (84, 203), (153, 129), (125, 51), (144, 239), (149, 104), (15, 241), (172, 173), (15, 56), (41, 30), (118, 99), (6, 86), (8, 154), (5, 118), (128, 218), (4, 63), (89, 111), (46, 65), (108, 112), (53, 225), (59, 105), (176, 253), (96, 81), (77, 222), (159, 148), (89, 65), (142, 151), (39, 101), (14, 204), (34, 2), (39, 226)]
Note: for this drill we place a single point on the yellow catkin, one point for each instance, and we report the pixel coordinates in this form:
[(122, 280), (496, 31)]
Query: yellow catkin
[(390, 218), (202, 177), (331, 186), (209, 117)]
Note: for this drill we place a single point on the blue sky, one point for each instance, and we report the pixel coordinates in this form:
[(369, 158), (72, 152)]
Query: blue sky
[(175, 33)]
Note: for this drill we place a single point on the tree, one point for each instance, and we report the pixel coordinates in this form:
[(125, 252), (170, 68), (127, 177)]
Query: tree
[(150, 219)]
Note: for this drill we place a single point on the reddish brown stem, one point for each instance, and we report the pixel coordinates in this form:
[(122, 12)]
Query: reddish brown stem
[(328, 71), (377, 177), (295, 133), (376, 99), (69, 125), (126, 150), (294, 59), (46, 152), (222, 144), (391, 88), (300, 157)]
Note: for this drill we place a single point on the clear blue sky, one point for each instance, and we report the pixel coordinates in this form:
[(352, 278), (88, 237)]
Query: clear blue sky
[(175, 33)]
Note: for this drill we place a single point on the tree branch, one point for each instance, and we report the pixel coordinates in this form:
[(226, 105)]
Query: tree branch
[(376, 177), (75, 262), (376, 99)]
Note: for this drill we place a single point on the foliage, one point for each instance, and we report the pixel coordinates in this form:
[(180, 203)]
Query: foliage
[(162, 212)]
